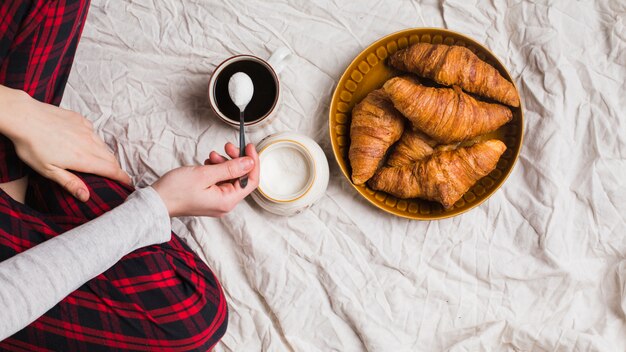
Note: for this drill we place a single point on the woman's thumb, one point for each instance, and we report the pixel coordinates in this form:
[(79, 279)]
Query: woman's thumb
[(71, 183), (230, 169)]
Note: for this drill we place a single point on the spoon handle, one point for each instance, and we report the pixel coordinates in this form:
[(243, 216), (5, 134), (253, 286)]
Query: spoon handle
[(243, 181)]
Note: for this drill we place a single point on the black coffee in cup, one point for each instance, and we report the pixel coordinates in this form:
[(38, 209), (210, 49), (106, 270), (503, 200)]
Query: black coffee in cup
[(265, 90)]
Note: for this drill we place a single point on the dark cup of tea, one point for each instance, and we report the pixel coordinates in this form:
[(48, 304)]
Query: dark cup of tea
[(264, 75)]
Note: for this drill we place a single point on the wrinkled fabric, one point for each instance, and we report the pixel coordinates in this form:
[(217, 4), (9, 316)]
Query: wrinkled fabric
[(540, 266)]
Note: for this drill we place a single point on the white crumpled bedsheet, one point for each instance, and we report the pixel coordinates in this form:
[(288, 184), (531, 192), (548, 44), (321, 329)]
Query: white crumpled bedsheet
[(539, 267)]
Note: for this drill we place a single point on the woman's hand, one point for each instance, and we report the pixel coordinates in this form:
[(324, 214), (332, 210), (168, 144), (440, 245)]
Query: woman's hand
[(52, 140), (212, 189)]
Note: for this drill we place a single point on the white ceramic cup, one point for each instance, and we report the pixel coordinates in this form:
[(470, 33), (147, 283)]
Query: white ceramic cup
[(274, 65)]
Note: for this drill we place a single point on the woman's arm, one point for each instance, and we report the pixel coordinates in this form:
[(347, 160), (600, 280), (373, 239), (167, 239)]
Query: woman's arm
[(52, 140), (35, 280)]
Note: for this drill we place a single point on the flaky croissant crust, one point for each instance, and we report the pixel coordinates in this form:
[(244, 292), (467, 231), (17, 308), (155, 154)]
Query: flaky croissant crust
[(446, 114), (456, 65), (375, 126), (443, 176)]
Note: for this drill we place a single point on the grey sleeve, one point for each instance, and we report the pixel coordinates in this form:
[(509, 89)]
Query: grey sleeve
[(35, 280)]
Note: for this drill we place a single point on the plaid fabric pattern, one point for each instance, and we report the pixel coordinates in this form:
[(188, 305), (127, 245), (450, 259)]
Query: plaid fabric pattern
[(157, 298)]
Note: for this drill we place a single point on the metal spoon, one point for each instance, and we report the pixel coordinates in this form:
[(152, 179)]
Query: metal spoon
[(241, 89)]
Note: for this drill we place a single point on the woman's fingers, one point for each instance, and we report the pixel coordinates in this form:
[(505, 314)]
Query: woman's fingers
[(215, 158), (228, 170), (108, 167), (111, 167), (231, 185), (69, 182), (250, 151), (100, 148), (102, 162), (253, 176), (231, 192), (122, 176), (106, 156), (231, 150)]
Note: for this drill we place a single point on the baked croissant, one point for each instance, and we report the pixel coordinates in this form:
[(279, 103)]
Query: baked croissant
[(456, 65), (444, 176), (445, 114), (412, 146), (375, 126)]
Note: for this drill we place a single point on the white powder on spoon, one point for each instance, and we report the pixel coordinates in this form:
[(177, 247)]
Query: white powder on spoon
[(240, 89)]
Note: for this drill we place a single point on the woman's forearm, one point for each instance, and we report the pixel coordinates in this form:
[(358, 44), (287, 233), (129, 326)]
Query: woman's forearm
[(35, 280)]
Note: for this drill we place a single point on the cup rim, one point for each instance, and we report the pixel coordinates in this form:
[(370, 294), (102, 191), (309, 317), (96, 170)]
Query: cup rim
[(310, 182), (213, 80)]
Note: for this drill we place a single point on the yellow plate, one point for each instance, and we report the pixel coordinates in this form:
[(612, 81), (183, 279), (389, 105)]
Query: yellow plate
[(368, 72)]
